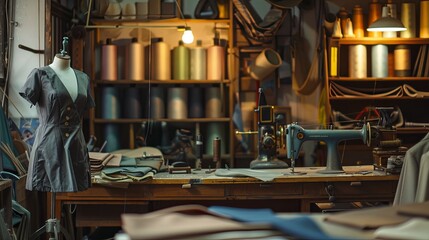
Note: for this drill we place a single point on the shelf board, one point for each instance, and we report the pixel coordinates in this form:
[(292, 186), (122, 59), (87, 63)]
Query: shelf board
[(374, 41), (172, 82), (140, 120), (377, 98), (172, 22), (374, 79)]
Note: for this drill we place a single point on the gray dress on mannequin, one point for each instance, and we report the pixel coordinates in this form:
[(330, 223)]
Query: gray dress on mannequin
[(59, 160)]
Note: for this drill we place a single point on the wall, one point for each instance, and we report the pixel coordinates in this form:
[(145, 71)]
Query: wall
[(29, 31)]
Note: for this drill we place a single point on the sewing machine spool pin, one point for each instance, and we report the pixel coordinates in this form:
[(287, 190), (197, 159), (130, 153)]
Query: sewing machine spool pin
[(296, 135)]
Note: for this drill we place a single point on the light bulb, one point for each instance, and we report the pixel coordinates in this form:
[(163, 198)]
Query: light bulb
[(187, 36)]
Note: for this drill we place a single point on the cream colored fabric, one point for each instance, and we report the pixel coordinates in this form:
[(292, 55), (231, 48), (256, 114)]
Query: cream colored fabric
[(414, 178)]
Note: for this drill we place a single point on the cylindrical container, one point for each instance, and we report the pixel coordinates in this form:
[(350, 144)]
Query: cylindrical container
[(357, 19), (357, 61), (379, 61), (198, 151), (408, 18), (110, 103), (217, 148), (160, 60), (213, 106), (402, 61), (264, 64), (212, 131), (132, 105), (198, 62), (343, 15), (196, 109), (215, 62), (177, 103), (136, 60), (157, 103), (424, 19), (109, 61), (384, 13), (374, 14), (180, 62), (142, 9), (112, 137)]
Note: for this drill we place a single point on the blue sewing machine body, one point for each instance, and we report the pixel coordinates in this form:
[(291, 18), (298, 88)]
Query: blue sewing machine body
[(296, 135)]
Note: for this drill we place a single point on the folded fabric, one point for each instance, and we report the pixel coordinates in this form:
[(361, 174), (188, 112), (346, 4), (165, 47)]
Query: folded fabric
[(238, 172), (181, 222), (125, 174), (416, 228), (301, 227), (337, 90)]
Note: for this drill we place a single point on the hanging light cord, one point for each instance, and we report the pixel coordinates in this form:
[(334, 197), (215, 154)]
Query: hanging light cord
[(180, 12)]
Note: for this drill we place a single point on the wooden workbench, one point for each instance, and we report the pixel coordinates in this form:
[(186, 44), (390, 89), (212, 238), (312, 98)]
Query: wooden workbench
[(102, 204)]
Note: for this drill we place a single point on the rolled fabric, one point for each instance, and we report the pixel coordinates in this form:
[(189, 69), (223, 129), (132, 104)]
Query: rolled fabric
[(198, 62), (196, 109), (177, 103), (357, 61), (379, 61), (215, 62), (180, 62), (357, 19), (374, 14), (136, 61), (110, 103), (112, 136), (109, 61), (402, 61), (424, 19), (213, 102), (132, 105), (160, 60), (408, 18), (157, 103)]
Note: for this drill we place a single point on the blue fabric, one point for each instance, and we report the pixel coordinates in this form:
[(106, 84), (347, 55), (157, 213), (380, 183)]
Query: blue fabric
[(5, 137), (302, 227)]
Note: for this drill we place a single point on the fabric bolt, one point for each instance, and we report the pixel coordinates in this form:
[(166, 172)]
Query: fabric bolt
[(59, 160), (414, 178)]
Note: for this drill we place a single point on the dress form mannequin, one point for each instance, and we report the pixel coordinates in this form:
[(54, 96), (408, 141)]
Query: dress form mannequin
[(61, 66)]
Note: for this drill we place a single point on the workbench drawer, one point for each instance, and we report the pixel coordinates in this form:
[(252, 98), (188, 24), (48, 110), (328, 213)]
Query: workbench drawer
[(264, 190), (188, 191), (351, 188)]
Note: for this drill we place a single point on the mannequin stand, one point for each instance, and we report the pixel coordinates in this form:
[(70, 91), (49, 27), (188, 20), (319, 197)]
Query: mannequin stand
[(52, 225)]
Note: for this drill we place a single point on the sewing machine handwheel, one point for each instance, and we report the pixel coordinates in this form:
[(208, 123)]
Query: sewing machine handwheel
[(368, 134)]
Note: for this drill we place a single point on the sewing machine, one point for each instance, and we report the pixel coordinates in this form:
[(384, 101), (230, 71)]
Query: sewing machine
[(296, 135), (270, 136)]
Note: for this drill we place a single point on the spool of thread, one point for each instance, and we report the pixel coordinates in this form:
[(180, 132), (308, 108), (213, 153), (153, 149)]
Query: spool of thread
[(110, 103), (424, 19), (160, 60), (215, 62), (402, 61), (379, 62), (213, 102), (217, 152), (384, 13), (374, 14), (343, 15), (408, 18), (157, 104), (181, 62), (112, 137), (198, 62), (177, 103), (196, 109), (136, 60), (357, 61), (109, 61), (357, 20), (132, 105)]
